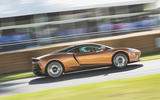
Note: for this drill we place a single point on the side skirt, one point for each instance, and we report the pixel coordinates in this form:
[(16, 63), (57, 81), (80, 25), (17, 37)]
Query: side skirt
[(87, 69)]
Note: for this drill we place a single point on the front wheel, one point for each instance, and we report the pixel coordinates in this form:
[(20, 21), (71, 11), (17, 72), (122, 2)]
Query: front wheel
[(120, 60), (55, 69)]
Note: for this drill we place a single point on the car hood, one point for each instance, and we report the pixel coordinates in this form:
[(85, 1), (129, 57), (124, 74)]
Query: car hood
[(122, 48)]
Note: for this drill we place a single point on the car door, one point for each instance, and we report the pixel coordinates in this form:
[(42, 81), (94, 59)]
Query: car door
[(91, 55)]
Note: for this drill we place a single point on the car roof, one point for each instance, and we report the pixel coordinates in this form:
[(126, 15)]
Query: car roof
[(81, 44), (86, 44)]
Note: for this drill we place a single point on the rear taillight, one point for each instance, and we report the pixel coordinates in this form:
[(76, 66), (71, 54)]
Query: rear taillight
[(34, 60)]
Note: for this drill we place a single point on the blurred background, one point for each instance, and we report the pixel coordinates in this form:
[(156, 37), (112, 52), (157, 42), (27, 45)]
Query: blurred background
[(31, 23), (31, 28)]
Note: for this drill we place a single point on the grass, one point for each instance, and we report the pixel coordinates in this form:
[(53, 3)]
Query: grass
[(27, 74), (15, 75), (140, 88), (151, 56)]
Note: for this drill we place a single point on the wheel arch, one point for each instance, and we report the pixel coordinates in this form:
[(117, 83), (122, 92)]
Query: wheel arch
[(121, 52)]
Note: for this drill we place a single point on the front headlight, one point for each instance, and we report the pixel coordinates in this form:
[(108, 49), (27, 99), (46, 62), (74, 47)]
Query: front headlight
[(133, 50)]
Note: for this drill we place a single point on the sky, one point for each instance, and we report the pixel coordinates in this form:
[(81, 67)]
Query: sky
[(9, 8)]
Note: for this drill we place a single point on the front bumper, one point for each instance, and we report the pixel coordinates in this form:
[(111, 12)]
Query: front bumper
[(135, 57), (136, 61)]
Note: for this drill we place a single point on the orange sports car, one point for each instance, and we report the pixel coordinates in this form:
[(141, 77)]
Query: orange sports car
[(83, 56)]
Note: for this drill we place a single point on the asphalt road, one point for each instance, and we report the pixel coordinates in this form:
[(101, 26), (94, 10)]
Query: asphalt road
[(106, 74)]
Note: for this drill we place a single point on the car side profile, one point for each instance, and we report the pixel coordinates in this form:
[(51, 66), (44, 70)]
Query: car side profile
[(83, 56)]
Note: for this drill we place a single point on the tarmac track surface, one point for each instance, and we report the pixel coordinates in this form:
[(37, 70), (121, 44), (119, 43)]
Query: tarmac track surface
[(73, 79)]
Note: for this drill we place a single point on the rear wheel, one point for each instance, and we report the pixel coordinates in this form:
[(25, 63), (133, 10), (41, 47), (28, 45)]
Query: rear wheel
[(120, 60), (55, 69)]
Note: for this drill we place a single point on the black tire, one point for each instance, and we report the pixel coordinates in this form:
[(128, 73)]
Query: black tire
[(55, 69), (120, 60)]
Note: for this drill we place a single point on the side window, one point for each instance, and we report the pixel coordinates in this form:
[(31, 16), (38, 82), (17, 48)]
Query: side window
[(73, 50), (90, 48)]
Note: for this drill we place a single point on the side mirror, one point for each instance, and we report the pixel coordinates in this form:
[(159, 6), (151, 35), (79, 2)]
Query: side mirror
[(103, 48)]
